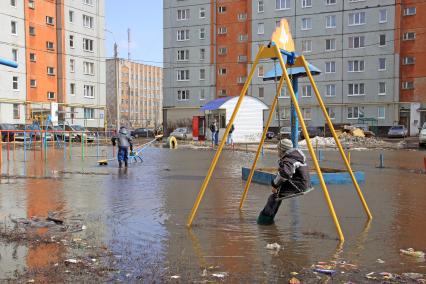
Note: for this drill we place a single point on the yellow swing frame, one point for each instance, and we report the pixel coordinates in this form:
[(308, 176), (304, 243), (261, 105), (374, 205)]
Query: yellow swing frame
[(270, 52)]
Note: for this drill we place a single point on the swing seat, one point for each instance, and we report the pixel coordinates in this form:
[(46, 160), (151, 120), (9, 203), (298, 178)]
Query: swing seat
[(295, 194)]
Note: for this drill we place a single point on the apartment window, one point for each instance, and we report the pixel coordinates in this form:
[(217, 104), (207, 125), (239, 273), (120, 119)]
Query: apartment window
[(222, 51), (382, 40), (383, 16), (222, 30), (72, 89), (357, 89), (31, 31), (13, 3), (306, 3), (307, 91), (331, 112), (307, 113), (72, 65), (13, 28), (202, 54), (202, 33), (50, 45), (408, 60), (50, 20), (183, 55), (222, 9), (382, 64), (260, 71), (261, 92), (356, 19), (409, 36), (71, 16), (382, 88), (88, 68), (356, 66), (306, 24), (50, 71), (33, 57), (183, 95), (203, 74), (89, 113), (381, 112), (330, 2), (356, 41), (330, 44), (202, 13), (330, 22), (15, 54), (330, 90), (306, 45), (242, 58), (260, 6), (15, 85), (222, 71), (88, 2), (355, 112), (89, 91), (243, 38), (88, 21), (16, 112), (408, 85), (50, 95), (182, 35), (409, 11), (33, 83), (31, 4), (71, 41), (222, 93), (182, 14), (202, 95), (284, 113), (260, 28), (330, 67), (88, 44), (242, 16), (282, 4), (183, 75)]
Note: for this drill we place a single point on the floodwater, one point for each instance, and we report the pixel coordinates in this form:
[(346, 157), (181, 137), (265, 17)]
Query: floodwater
[(140, 214)]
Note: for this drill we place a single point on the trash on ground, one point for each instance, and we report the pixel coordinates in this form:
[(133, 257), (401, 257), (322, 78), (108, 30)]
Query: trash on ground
[(325, 271), (175, 277), (294, 280), (72, 260), (220, 274), (412, 252), (380, 261), (273, 246)]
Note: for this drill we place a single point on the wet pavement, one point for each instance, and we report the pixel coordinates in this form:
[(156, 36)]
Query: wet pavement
[(140, 215)]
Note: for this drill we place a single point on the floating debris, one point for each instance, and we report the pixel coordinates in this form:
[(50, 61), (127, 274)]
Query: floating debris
[(380, 261), (220, 274), (325, 271), (175, 277), (412, 252), (273, 246)]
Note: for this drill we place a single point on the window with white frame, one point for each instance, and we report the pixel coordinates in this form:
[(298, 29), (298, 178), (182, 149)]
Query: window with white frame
[(330, 2), (71, 41), (183, 75), (223, 71), (202, 94), (243, 37), (409, 36), (356, 41), (330, 67), (72, 65), (182, 35), (88, 68), (306, 3), (331, 112), (382, 40), (222, 51), (182, 14), (409, 11), (260, 6), (50, 71), (222, 30), (202, 74), (382, 64), (50, 20), (221, 9), (330, 90), (330, 21), (50, 95), (306, 24), (15, 54), (408, 60), (307, 113), (31, 31), (356, 19), (282, 4), (33, 57), (307, 45), (50, 45), (284, 113), (89, 113), (307, 91), (183, 55), (16, 111), (88, 44), (31, 4), (72, 89), (202, 54), (202, 13), (242, 16), (382, 88), (13, 3), (222, 93), (284, 94), (202, 33), (355, 112), (383, 16), (88, 21), (88, 2), (356, 65), (330, 44), (260, 28), (71, 16), (408, 85), (183, 95), (260, 71), (89, 91), (13, 28), (242, 58), (33, 83), (356, 89), (381, 112), (15, 85)]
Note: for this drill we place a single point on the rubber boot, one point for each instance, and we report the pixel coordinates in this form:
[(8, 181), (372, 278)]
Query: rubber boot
[(126, 164), (119, 164)]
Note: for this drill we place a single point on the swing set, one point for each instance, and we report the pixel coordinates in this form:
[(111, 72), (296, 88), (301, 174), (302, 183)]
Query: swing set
[(282, 48)]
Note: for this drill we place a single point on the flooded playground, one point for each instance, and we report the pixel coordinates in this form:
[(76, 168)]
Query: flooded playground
[(139, 217)]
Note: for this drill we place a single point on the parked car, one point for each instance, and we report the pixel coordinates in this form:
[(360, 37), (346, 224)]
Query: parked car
[(422, 136), (65, 128), (285, 132), (312, 132), (142, 132), (33, 133), (398, 131), (81, 130), (182, 133), (270, 135), (7, 133)]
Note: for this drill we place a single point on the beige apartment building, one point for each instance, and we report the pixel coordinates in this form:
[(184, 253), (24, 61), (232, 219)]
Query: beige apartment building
[(134, 94)]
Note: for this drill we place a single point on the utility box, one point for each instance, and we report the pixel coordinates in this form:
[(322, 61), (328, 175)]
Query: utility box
[(199, 128)]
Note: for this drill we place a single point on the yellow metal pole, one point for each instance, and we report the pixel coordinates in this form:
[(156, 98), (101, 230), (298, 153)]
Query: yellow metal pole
[(262, 141), (222, 143), (310, 148), (339, 145)]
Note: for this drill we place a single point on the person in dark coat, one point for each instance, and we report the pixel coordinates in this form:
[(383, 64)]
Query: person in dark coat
[(292, 178), (124, 141)]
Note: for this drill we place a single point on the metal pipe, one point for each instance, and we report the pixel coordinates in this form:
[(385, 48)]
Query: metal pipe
[(294, 121)]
